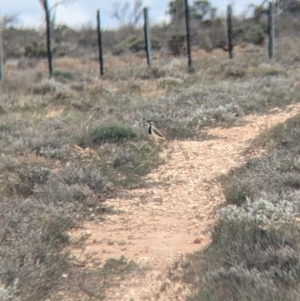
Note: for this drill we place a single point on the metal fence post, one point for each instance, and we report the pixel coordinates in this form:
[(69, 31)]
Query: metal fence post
[(48, 33), (147, 37), (188, 39), (271, 30), (229, 31), (1, 49), (100, 44)]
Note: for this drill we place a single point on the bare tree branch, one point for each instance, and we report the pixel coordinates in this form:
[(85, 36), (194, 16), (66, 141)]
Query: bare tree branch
[(62, 2), (137, 12), (9, 19), (57, 3), (120, 12), (127, 15)]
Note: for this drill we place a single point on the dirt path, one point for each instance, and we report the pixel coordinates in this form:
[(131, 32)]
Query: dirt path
[(171, 219)]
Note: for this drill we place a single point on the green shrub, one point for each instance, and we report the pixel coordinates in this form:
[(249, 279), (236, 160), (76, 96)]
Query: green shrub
[(2, 111), (118, 50), (237, 193), (208, 44), (235, 72), (233, 69), (130, 161), (253, 254), (176, 44), (155, 45), (255, 35), (32, 243), (35, 49), (4, 128), (51, 86), (119, 266), (89, 177), (149, 73), (137, 44), (61, 74), (267, 70), (23, 180), (112, 133)]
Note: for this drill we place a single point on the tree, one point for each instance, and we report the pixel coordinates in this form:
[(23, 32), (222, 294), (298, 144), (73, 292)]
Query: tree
[(9, 20), (127, 15), (202, 9), (280, 7), (176, 10), (199, 10), (259, 10), (53, 8), (287, 6)]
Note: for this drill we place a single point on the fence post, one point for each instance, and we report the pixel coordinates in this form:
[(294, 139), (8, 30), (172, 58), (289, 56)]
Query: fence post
[(188, 40), (1, 49), (271, 30), (147, 37), (100, 44), (48, 33), (229, 30)]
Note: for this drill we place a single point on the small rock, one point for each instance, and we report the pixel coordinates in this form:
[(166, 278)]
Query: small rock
[(198, 240)]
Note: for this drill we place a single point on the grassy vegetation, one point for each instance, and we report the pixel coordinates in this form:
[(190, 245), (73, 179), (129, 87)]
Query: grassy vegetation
[(70, 142)]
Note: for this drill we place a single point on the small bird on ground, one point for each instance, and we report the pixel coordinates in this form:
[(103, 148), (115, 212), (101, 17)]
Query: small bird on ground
[(154, 132)]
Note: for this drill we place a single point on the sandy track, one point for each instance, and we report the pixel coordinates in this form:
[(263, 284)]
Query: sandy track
[(160, 224)]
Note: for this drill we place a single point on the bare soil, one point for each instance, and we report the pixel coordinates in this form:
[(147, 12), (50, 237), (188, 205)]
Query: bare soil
[(175, 214)]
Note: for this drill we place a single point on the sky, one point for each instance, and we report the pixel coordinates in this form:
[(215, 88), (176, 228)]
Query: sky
[(83, 12)]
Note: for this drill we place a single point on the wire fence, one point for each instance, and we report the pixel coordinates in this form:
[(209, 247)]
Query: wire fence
[(178, 38), (183, 37)]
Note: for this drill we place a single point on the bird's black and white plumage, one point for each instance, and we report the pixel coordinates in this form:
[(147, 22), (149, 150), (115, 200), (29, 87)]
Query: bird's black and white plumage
[(153, 131)]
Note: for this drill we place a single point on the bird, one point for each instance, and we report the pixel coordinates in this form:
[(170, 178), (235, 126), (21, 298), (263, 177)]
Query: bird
[(154, 132)]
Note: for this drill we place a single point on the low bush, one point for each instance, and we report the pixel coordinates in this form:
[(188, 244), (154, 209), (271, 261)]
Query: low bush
[(32, 239), (255, 35), (151, 73), (267, 70), (137, 44), (35, 49), (111, 133), (2, 111), (64, 75), (253, 255), (176, 44)]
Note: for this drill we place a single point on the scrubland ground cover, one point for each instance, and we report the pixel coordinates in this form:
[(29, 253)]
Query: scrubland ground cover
[(70, 142)]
